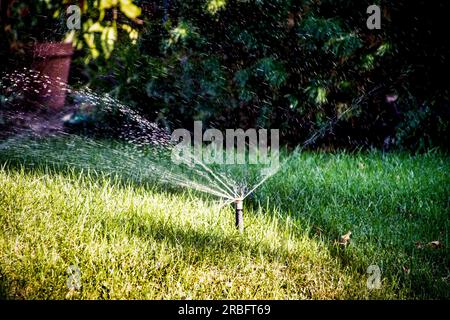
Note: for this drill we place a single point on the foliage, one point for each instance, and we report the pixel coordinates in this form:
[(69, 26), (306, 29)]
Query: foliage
[(25, 22), (45, 20), (286, 64), (292, 65), (101, 24)]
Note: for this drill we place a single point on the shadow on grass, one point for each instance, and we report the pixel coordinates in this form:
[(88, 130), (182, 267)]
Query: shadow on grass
[(430, 277), (205, 243)]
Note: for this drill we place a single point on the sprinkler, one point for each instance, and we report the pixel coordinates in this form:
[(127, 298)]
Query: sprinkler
[(239, 206)]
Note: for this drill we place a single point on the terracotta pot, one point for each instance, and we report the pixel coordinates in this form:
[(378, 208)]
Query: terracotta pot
[(52, 61)]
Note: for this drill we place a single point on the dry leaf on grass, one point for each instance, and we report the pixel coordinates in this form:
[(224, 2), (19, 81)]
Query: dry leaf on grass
[(435, 244), (345, 239)]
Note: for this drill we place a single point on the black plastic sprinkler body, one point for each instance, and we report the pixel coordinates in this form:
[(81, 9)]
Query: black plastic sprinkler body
[(239, 206)]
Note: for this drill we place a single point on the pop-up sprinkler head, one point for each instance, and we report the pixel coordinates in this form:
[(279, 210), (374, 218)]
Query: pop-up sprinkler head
[(239, 206)]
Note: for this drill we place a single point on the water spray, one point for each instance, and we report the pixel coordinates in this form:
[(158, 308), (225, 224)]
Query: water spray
[(239, 214)]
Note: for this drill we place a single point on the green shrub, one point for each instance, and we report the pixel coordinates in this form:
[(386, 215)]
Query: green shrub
[(292, 65)]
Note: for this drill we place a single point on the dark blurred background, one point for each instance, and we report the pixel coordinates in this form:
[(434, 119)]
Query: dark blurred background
[(286, 64)]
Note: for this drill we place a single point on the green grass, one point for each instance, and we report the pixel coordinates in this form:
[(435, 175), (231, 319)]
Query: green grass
[(133, 239)]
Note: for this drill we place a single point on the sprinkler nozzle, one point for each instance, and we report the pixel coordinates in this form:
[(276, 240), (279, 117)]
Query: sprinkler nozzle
[(239, 206)]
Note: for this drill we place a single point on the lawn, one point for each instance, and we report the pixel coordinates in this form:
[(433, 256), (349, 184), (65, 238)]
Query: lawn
[(130, 238)]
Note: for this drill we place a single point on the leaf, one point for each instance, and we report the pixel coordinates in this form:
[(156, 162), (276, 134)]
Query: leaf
[(107, 4), (383, 49), (131, 10), (56, 13), (368, 62), (321, 97), (317, 93), (71, 37), (215, 5), (345, 239), (96, 27), (108, 38), (132, 33), (90, 41), (435, 244)]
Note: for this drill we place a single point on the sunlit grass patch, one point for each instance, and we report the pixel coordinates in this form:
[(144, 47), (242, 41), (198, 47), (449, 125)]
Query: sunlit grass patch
[(133, 239)]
